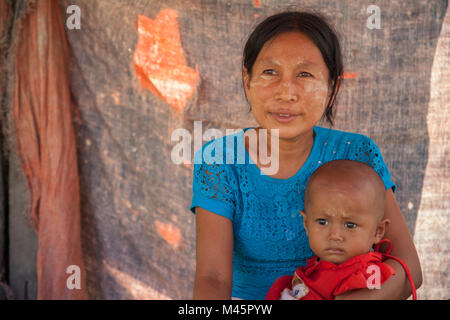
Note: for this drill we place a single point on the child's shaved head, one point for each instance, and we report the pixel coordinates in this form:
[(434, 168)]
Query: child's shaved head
[(344, 210), (354, 176)]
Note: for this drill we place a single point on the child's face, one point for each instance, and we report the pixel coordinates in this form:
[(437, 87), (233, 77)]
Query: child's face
[(342, 222)]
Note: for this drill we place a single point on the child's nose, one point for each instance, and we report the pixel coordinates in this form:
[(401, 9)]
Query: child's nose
[(335, 233)]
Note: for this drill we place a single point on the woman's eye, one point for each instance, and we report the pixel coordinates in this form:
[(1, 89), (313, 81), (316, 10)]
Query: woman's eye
[(305, 74), (270, 72), (350, 225), (322, 222)]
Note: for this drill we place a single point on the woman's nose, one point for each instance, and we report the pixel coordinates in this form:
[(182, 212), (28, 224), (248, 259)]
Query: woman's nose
[(287, 91)]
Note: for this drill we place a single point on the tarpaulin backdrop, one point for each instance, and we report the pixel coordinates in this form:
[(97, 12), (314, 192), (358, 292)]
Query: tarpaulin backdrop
[(137, 71)]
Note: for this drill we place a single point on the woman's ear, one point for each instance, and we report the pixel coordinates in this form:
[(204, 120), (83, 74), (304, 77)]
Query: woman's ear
[(330, 89), (381, 230), (246, 78)]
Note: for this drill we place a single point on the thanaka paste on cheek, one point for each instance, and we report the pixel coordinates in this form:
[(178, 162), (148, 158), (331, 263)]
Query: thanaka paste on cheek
[(262, 81), (317, 90)]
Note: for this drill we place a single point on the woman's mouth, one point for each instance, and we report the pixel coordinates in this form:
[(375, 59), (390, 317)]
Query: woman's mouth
[(284, 117)]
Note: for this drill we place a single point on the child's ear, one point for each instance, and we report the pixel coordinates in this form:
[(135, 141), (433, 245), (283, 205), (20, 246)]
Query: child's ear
[(381, 229), (304, 221)]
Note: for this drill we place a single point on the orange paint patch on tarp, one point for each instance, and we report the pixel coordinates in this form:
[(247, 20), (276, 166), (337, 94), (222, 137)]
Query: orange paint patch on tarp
[(257, 3), (169, 232), (350, 75), (159, 60)]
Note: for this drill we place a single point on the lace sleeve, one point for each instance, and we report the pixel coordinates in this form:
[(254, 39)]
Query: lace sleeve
[(212, 190), (368, 152)]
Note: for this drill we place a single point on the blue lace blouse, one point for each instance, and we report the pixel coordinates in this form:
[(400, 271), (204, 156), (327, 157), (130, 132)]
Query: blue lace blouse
[(269, 238)]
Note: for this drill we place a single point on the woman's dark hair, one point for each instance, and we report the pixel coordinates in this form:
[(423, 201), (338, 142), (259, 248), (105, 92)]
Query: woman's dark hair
[(317, 29)]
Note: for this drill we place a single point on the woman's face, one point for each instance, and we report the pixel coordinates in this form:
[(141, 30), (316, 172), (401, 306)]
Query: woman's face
[(288, 88)]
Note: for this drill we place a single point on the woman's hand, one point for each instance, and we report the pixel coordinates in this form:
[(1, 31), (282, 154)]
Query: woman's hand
[(396, 287), (214, 270)]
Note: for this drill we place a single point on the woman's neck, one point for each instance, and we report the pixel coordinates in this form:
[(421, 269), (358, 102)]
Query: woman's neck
[(290, 156), (291, 150)]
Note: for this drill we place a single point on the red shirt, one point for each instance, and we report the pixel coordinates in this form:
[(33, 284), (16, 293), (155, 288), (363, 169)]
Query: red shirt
[(323, 280)]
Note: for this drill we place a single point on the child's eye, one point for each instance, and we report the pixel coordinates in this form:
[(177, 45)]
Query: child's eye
[(322, 222), (270, 72), (350, 225)]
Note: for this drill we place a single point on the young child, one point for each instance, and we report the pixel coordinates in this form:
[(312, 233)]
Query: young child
[(343, 218)]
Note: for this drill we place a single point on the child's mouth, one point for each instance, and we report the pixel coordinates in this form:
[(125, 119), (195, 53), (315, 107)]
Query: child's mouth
[(334, 251)]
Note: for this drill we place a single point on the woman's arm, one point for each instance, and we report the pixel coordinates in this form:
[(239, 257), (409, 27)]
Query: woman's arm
[(214, 270), (397, 287), (402, 243)]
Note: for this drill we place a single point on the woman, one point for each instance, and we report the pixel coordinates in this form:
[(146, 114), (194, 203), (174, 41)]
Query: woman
[(249, 229)]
